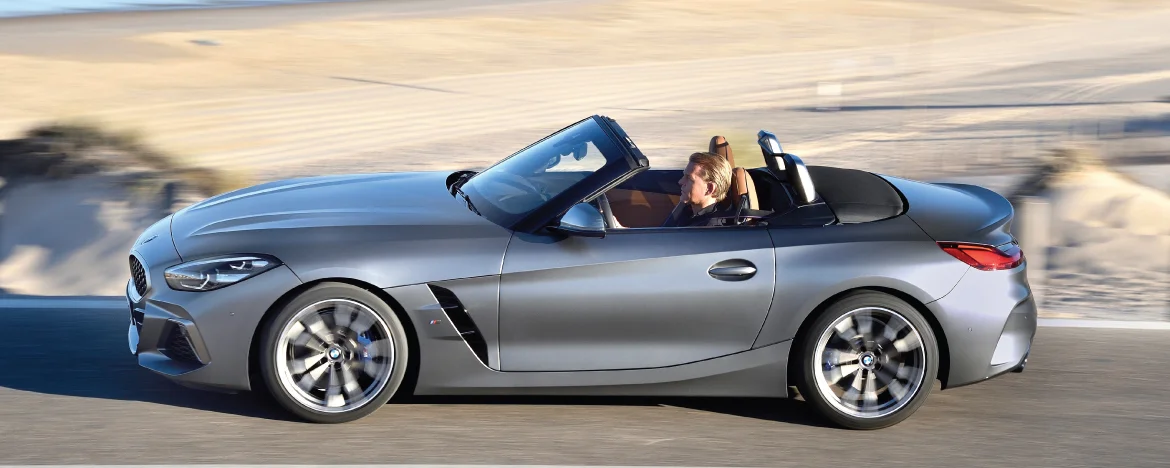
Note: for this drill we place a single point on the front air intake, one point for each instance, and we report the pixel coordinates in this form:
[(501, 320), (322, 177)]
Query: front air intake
[(178, 345), (462, 322)]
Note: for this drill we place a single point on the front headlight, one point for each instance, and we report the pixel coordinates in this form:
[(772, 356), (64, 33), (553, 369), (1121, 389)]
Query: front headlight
[(218, 272)]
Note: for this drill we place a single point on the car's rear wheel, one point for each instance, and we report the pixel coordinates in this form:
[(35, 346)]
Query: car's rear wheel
[(335, 353), (868, 362)]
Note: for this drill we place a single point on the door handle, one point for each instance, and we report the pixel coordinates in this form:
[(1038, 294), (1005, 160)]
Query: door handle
[(732, 270)]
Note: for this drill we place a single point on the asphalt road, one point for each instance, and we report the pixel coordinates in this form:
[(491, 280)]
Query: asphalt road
[(71, 393)]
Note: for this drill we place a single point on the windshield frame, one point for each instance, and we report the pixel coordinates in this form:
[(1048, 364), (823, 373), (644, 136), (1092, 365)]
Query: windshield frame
[(623, 160)]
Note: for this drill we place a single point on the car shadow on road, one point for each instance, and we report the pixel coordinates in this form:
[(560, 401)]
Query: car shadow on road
[(81, 351), (788, 411)]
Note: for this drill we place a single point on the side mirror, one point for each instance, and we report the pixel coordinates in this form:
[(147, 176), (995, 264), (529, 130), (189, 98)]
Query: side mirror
[(581, 220)]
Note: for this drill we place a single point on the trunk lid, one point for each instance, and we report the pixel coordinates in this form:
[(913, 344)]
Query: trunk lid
[(950, 212)]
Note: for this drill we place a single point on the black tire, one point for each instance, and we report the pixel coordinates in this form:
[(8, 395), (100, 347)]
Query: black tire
[(837, 410), (317, 294)]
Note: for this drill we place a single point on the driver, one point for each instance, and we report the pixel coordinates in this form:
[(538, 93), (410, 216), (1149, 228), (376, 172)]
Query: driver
[(703, 185)]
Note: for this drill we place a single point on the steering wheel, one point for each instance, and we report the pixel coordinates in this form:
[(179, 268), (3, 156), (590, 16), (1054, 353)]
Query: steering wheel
[(606, 211)]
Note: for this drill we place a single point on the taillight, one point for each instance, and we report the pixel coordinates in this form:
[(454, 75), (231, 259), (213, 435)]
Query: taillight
[(985, 257)]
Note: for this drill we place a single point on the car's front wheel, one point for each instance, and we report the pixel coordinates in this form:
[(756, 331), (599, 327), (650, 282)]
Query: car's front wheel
[(869, 361), (335, 353)]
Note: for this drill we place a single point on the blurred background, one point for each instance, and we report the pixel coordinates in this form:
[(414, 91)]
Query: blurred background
[(114, 114)]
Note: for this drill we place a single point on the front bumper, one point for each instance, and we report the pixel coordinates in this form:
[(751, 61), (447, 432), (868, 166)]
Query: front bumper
[(202, 339), (989, 322)]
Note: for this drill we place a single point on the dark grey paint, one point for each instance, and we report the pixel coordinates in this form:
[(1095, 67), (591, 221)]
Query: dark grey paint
[(958, 212), (638, 298), (982, 307), (447, 367), (815, 263), (635, 312), (224, 322), (383, 229)]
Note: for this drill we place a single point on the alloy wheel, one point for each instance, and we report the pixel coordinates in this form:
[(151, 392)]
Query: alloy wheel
[(334, 356), (870, 362)]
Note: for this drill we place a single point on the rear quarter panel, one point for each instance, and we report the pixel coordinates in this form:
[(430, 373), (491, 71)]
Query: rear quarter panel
[(813, 264)]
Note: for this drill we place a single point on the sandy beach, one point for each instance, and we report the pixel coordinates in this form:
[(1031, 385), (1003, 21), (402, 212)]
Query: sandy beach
[(930, 90), (236, 87)]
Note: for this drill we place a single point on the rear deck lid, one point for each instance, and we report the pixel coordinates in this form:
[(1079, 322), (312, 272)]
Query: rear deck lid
[(958, 212)]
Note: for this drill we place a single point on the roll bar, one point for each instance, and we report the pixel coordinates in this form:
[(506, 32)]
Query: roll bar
[(787, 167)]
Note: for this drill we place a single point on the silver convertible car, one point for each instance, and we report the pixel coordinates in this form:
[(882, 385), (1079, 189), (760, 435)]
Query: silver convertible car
[(853, 290)]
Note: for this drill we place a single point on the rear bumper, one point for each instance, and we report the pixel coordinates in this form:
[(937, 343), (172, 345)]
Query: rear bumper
[(989, 322), (203, 339)]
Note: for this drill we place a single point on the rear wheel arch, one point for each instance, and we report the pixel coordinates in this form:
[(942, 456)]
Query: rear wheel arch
[(407, 388), (944, 357)]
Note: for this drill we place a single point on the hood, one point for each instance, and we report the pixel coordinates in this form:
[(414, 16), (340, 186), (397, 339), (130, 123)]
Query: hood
[(368, 199), (285, 217)]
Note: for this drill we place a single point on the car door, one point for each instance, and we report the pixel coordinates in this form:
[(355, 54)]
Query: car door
[(636, 298)]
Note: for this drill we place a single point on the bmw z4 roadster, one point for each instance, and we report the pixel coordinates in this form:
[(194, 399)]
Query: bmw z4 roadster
[(854, 290)]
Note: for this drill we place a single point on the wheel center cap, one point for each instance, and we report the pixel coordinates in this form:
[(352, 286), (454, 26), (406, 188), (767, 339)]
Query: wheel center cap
[(334, 354), (867, 360)]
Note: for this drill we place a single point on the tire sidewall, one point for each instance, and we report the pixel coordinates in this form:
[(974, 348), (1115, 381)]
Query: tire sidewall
[(810, 363), (324, 292)]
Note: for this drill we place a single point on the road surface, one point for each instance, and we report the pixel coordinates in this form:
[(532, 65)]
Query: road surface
[(70, 392)]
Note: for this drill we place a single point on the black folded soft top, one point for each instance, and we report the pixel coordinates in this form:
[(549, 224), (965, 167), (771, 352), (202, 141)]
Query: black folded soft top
[(856, 196)]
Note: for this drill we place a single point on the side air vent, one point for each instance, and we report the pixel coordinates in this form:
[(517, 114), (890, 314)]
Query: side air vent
[(463, 323)]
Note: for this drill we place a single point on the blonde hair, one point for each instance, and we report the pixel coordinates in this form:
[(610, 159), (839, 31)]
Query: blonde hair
[(716, 170)]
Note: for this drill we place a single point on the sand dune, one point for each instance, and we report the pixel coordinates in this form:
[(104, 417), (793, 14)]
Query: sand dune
[(1110, 244), (353, 92), (71, 237), (278, 95)]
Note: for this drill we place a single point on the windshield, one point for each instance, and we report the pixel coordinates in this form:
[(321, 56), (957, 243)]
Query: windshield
[(513, 188)]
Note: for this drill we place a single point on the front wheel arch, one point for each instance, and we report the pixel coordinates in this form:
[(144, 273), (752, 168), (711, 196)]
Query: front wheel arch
[(944, 349), (256, 381)]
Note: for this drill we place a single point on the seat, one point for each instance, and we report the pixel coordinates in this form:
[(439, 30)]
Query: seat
[(640, 208), (742, 191), (720, 146)]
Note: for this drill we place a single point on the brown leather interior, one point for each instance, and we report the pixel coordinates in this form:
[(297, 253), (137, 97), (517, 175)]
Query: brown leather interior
[(741, 182), (720, 146), (642, 209), (639, 209)]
